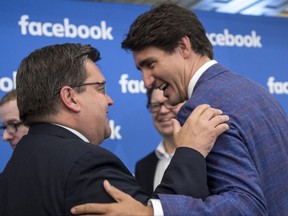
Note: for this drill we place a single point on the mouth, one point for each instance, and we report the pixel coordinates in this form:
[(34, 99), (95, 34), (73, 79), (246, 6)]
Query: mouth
[(163, 86), (164, 120)]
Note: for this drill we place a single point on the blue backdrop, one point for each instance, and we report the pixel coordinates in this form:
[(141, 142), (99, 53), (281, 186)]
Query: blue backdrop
[(252, 46)]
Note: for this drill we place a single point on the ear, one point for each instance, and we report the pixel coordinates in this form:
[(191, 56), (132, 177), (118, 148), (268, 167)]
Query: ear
[(185, 46), (69, 99)]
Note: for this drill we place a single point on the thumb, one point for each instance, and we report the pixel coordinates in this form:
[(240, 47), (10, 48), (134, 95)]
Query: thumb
[(176, 126)]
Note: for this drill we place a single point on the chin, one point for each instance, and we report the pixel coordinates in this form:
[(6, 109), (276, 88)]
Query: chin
[(108, 134)]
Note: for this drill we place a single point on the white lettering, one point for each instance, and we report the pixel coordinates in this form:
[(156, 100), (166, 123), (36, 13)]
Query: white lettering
[(35, 28), (131, 86), (23, 23), (277, 87), (64, 29), (115, 130), (46, 27), (227, 39), (7, 84)]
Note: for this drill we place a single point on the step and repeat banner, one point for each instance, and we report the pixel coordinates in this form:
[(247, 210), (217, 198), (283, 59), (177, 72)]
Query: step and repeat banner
[(256, 47)]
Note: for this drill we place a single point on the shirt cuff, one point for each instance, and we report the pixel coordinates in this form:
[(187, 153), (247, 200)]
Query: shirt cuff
[(157, 207)]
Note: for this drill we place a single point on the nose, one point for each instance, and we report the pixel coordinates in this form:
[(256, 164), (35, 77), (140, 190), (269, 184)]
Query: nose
[(164, 109), (109, 100), (148, 79), (6, 136)]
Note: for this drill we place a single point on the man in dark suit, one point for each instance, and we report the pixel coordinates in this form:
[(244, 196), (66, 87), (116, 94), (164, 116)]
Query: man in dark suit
[(61, 96), (247, 167), (150, 169)]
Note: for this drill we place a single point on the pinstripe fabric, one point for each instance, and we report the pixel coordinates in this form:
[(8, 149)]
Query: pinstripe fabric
[(248, 166)]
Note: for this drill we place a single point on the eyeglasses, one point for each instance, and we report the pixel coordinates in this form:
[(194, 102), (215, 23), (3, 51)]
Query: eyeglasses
[(155, 107), (101, 90), (11, 128)]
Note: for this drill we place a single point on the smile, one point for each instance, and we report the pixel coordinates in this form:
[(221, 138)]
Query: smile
[(163, 86)]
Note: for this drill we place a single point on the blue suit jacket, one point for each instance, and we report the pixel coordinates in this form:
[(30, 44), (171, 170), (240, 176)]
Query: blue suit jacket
[(248, 166)]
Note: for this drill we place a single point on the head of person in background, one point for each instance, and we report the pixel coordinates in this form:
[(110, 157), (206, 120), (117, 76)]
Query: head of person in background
[(162, 113), (149, 170), (12, 128)]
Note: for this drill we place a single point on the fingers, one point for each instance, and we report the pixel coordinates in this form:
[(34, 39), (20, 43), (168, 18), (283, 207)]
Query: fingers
[(222, 127), (115, 193), (176, 126), (219, 120), (199, 110), (204, 112), (91, 208), (98, 209), (210, 113)]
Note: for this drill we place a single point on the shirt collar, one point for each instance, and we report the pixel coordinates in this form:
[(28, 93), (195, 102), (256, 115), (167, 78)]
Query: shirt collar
[(198, 74), (81, 136), (161, 152)]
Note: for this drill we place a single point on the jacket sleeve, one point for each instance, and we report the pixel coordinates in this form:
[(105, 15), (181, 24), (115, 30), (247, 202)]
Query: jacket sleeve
[(85, 181), (185, 175)]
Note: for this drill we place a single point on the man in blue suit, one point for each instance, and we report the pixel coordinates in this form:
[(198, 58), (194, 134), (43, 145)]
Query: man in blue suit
[(247, 167), (61, 95)]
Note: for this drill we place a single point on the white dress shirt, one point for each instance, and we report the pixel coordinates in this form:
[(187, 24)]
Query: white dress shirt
[(74, 132), (163, 162)]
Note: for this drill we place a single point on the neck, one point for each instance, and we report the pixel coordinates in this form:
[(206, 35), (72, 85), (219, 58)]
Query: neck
[(169, 144), (194, 63)]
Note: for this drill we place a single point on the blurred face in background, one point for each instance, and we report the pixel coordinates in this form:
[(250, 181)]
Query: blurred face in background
[(162, 113), (12, 128)]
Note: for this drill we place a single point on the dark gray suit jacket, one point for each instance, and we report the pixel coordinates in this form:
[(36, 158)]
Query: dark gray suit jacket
[(145, 171), (52, 169)]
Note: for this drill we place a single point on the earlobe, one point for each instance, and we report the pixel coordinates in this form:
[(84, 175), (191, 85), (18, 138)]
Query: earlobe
[(69, 99)]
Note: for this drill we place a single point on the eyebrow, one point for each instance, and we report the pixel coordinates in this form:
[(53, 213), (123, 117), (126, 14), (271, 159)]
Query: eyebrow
[(144, 62)]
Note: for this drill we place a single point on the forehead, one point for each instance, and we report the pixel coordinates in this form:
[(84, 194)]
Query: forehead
[(145, 54), (93, 71), (9, 112)]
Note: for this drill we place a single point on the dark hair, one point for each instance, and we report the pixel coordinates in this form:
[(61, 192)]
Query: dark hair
[(11, 95), (163, 26), (44, 72)]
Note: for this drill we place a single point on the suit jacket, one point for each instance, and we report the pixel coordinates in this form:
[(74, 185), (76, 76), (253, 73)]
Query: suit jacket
[(145, 171), (248, 165), (52, 169)]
